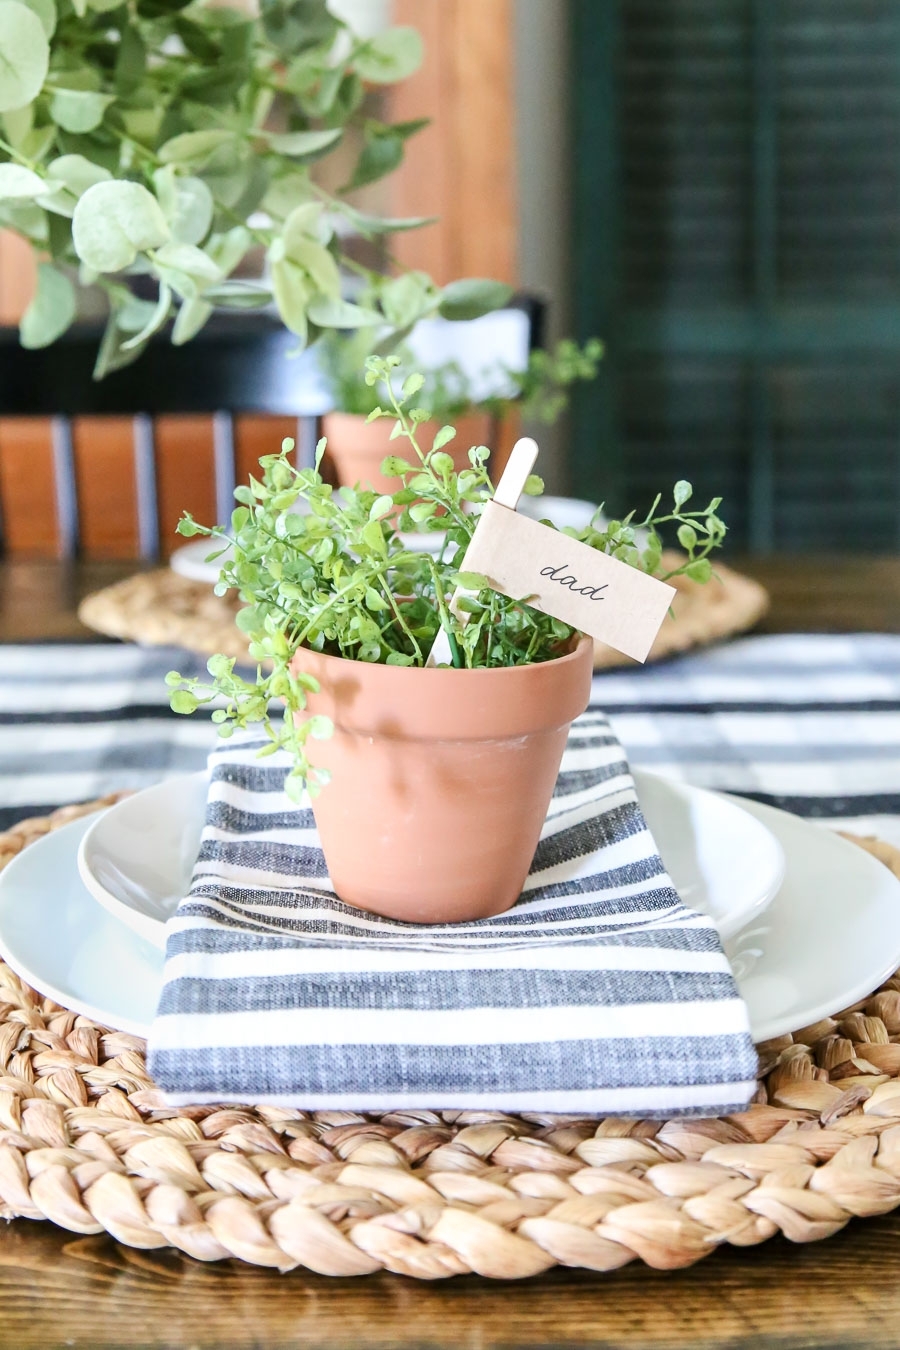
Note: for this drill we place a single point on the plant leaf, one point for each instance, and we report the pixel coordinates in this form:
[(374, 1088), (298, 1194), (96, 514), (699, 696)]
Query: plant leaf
[(76, 173), (238, 295), (155, 321), (51, 310), (190, 260), (367, 224), (190, 318), (473, 296), (115, 221), (79, 110), (192, 146), (24, 55), (389, 56), (46, 12), (303, 144), (293, 293), (193, 212), (320, 265), (112, 354), (17, 182), (472, 581), (443, 437), (294, 26), (406, 299), (331, 313), (380, 155)]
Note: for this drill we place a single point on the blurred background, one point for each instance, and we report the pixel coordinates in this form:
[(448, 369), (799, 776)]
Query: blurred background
[(711, 186)]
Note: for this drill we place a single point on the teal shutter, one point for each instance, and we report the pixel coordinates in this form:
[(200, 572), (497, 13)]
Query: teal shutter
[(737, 244)]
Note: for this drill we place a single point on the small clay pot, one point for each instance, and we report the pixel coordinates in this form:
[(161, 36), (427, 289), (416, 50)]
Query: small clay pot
[(440, 779), (357, 448)]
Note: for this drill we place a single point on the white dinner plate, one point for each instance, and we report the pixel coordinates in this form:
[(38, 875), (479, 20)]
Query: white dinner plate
[(136, 859), (55, 935), (830, 936)]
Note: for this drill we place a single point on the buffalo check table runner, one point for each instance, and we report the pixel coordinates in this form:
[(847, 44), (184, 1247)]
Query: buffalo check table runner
[(808, 723)]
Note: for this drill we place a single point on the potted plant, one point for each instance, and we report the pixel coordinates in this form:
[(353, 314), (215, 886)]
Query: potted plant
[(429, 786), (158, 151), (357, 445)]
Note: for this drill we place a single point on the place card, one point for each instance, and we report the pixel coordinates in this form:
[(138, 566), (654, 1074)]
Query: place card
[(613, 602), (519, 557)]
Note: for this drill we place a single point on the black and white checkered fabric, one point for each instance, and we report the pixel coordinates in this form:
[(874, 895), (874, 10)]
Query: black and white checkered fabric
[(805, 722)]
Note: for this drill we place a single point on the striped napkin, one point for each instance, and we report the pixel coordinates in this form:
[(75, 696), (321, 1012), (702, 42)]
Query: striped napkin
[(599, 991)]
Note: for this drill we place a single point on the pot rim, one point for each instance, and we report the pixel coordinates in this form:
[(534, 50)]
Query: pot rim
[(483, 704)]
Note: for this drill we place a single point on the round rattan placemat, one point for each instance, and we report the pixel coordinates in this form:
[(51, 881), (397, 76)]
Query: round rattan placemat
[(86, 1142), (161, 607)]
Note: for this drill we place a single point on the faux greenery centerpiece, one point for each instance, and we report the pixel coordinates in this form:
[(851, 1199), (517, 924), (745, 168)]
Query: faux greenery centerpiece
[(149, 147), (335, 576)]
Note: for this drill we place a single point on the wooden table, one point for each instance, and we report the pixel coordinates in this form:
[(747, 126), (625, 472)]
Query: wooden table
[(58, 1289)]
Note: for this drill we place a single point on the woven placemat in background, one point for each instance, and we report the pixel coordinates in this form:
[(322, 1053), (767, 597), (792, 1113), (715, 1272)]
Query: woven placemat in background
[(86, 1143), (163, 608)]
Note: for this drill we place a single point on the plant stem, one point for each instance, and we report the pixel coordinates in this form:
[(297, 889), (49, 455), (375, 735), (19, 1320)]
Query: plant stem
[(392, 601), (446, 621)]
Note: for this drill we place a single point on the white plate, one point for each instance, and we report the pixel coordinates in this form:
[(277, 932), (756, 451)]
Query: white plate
[(830, 936), (57, 938), (137, 857), (190, 561)]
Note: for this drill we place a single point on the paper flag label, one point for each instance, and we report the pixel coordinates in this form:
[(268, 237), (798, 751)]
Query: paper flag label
[(599, 595)]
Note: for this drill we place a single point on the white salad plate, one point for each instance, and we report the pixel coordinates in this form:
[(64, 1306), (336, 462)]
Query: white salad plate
[(829, 937), (136, 859)]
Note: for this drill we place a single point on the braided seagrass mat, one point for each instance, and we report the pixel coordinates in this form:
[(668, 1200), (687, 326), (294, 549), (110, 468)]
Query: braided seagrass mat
[(86, 1142), (163, 608)]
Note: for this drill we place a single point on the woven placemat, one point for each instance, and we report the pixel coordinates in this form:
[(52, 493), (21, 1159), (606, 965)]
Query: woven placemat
[(87, 1144), (162, 607)]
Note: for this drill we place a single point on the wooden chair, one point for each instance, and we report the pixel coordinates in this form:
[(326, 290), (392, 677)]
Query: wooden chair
[(95, 469)]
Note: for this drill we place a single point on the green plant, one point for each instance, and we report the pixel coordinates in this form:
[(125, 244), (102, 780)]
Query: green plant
[(540, 390), (166, 140), (338, 578)]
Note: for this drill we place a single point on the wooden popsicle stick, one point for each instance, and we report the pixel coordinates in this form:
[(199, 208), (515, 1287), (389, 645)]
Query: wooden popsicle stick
[(518, 467), (507, 493)]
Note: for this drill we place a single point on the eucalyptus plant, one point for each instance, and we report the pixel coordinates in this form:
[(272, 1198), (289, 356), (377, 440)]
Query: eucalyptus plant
[(166, 140), (332, 572)]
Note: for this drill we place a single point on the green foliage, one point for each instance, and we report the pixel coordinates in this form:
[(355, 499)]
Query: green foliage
[(540, 390), (330, 571), (141, 139)]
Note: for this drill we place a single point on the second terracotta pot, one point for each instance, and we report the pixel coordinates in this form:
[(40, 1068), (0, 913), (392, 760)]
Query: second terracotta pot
[(441, 779), (357, 448)]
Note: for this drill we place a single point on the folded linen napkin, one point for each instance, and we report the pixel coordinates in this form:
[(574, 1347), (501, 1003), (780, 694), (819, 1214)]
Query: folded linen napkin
[(599, 991)]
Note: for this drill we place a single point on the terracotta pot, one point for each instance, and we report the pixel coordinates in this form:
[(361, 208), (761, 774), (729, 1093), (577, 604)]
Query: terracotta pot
[(441, 779), (357, 448)]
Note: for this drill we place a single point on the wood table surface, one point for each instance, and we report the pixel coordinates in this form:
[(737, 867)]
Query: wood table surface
[(58, 1289)]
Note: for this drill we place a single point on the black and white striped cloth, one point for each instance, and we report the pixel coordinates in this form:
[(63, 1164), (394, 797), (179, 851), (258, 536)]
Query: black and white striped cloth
[(806, 722), (598, 991)]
